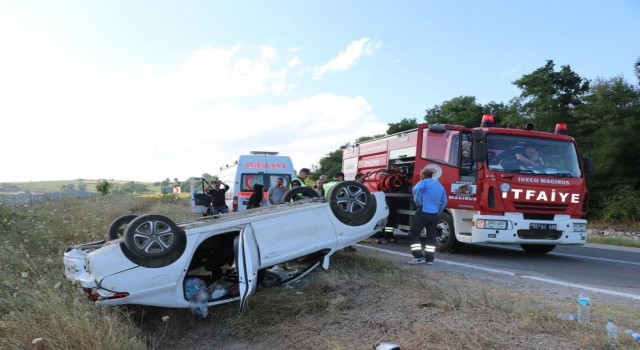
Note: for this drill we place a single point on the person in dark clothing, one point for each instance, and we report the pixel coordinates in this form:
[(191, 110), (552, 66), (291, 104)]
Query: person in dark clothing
[(218, 202), (256, 199), (431, 199)]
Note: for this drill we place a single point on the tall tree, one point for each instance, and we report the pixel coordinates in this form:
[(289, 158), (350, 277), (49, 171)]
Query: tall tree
[(330, 164), (403, 125), (462, 110), (549, 96), (607, 129)]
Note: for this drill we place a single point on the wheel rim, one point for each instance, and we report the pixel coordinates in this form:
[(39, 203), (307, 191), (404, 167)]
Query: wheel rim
[(153, 237), (446, 232), (352, 199)]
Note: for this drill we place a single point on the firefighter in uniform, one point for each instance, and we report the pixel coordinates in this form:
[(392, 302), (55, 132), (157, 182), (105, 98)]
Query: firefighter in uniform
[(431, 199)]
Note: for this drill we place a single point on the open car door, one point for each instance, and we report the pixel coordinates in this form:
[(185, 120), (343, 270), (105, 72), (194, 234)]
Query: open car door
[(247, 264)]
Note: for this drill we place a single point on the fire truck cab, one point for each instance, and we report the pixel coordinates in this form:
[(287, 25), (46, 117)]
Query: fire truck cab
[(503, 185)]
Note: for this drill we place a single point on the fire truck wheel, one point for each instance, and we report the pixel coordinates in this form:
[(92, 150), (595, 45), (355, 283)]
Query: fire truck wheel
[(154, 237), (352, 203), (298, 193), (117, 227), (537, 248), (447, 242)]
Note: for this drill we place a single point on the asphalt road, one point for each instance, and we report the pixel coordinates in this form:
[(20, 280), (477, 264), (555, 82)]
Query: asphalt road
[(602, 268)]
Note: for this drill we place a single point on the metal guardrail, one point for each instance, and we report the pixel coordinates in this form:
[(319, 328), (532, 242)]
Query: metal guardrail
[(30, 198)]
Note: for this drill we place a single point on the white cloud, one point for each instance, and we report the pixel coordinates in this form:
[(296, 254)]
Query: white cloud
[(65, 117), (348, 57)]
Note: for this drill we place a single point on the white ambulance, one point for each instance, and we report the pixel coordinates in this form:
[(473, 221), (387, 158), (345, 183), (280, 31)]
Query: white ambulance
[(258, 167)]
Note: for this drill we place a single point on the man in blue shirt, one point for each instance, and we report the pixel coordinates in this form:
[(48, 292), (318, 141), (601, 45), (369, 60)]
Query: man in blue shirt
[(431, 198)]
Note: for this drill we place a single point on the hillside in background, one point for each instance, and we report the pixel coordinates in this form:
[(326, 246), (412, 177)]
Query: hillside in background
[(88, 185)]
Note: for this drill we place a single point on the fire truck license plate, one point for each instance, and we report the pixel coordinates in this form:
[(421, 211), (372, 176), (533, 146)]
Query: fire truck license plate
[(535, 226)]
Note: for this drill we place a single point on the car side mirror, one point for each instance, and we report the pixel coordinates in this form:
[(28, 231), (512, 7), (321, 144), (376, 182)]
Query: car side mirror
[(479, 151)]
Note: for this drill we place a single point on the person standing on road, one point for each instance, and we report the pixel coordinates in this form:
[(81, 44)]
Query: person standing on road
[(431, 199), (275, 194), (299, 179), (218, 203)]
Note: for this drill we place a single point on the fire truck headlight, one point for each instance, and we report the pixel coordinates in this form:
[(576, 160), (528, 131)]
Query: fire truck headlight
[(579, 227), (492, 224)]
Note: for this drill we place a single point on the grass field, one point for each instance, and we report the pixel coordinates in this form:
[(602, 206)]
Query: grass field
[(363, 300)]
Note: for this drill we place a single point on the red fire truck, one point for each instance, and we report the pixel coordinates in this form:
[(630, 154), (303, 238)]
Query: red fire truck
[(493, 195)]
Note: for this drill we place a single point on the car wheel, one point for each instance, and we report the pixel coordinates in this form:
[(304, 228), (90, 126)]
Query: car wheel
[(447, 242), (117, 227), (537, 248), (298, 193), (352, 203), (154, 237)]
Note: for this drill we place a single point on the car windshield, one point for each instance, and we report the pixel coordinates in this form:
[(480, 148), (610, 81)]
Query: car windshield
[(528, 155)]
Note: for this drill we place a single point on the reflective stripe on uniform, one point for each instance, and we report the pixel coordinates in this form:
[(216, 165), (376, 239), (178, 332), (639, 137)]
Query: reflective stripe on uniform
[(429, 248), (416, 246)]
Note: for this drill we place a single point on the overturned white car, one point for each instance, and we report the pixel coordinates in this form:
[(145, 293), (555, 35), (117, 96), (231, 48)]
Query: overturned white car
[(156, 261)]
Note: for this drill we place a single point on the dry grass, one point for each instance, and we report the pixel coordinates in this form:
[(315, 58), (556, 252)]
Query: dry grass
[(364, 299), (367, 298)]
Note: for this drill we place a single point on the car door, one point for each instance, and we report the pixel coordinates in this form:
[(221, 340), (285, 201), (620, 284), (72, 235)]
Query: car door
[(300, 232), (247, 263)]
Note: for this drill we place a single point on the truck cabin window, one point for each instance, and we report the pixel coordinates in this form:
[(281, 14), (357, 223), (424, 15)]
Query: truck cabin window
[(532, 156)]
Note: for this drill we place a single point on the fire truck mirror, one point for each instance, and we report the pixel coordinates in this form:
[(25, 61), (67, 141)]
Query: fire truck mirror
[(479, 151), (587, 164), (478, 135)]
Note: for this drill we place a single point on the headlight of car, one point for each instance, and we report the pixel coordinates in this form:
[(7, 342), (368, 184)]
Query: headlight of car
[(579, 227), (381, 224), (491, 224)]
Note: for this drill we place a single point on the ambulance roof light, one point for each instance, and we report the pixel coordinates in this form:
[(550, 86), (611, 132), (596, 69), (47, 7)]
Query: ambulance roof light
[(265, 152), (561, 128), (488, 120)]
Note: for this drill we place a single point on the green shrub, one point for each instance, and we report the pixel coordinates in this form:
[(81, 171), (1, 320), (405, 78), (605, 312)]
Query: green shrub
[(622, 206)]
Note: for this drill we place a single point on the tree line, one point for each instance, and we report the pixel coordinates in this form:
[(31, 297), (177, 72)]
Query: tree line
[(602, 114)]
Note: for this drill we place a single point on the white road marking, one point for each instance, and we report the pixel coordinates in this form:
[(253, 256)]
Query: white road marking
[(504, 272), (580, 256)]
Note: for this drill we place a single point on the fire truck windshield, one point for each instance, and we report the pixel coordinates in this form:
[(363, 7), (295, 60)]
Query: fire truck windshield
[(532, 156)]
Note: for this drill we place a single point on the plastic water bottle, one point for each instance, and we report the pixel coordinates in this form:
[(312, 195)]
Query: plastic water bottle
[(568, 317), (199, 306), (612, 331), (633, 334), (584, 308)]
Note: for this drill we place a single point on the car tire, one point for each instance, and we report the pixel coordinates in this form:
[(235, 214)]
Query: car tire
[(298, 193), (447, 242), (537, 248), (155, 237), (352, 203), (155, 262), (117, 227)]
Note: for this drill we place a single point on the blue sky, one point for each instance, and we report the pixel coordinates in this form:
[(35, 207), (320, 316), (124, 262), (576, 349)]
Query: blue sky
[(144, 90)]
